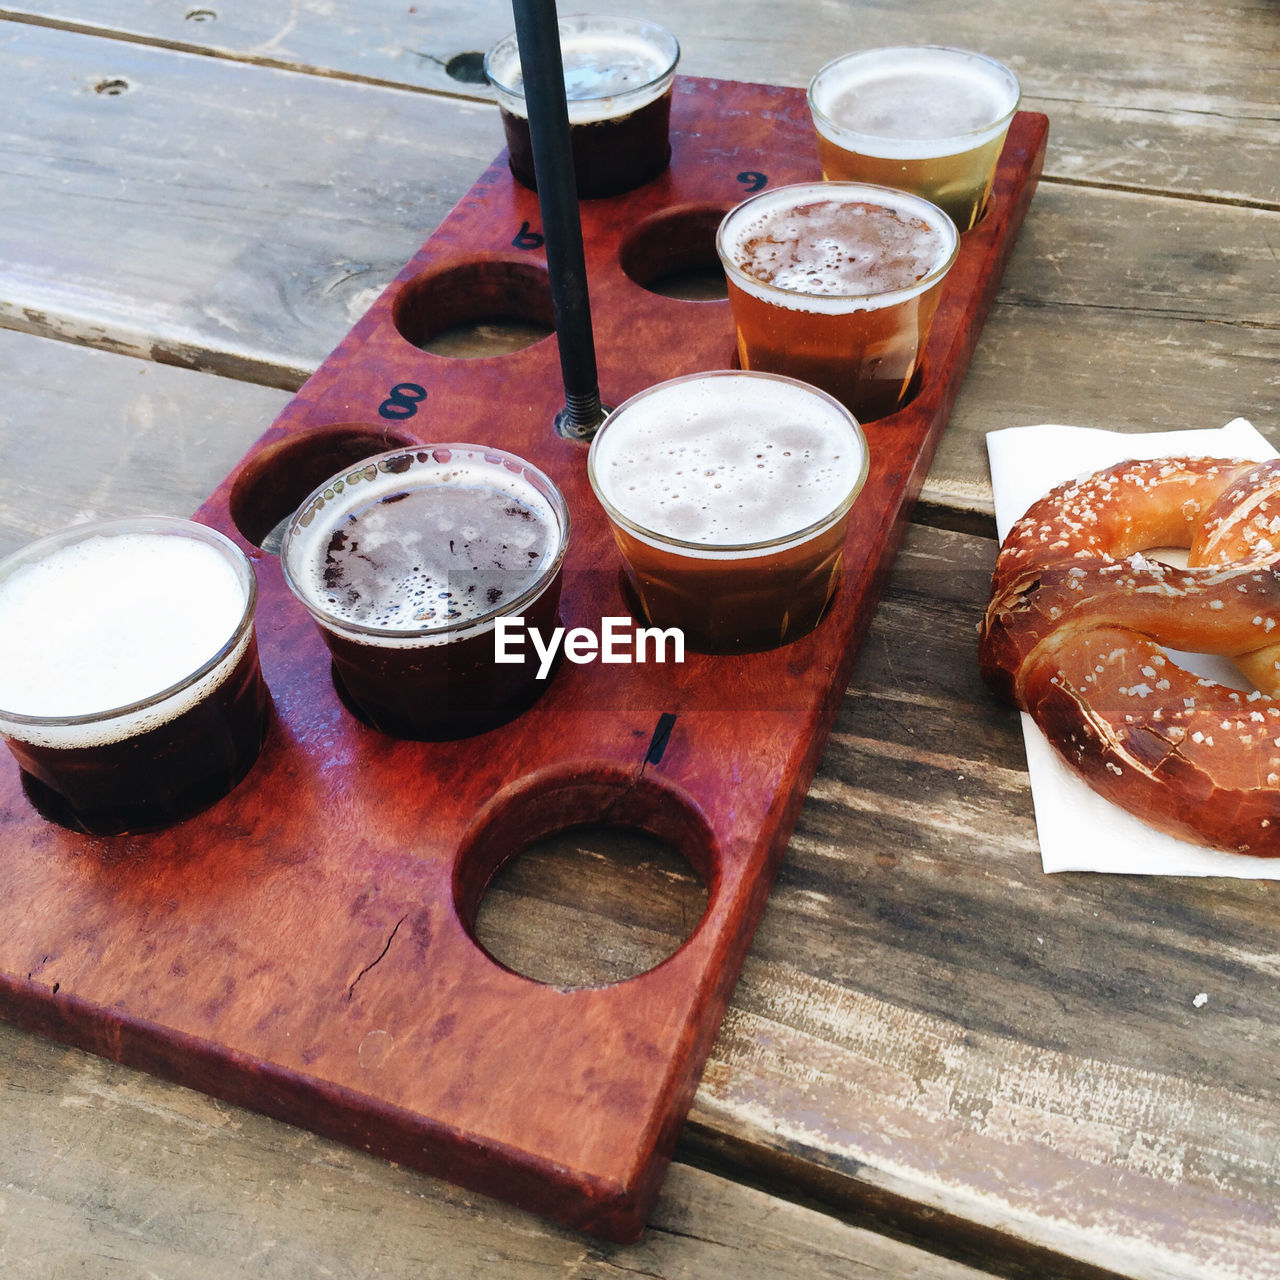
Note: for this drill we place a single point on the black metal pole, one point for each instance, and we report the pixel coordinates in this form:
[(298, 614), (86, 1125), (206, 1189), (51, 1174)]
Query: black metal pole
[(538, 36)]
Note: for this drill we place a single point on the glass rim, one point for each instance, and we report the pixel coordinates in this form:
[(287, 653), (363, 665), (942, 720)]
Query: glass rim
[(546, 574), (664, 42), (850, 190), (735, 550), (941, 144), (116, 525)]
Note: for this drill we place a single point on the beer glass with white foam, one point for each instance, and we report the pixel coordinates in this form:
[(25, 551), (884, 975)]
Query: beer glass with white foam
[(927, 119), (407, 561), (837, 283), (729, 496), (618, 78), (130, 691)]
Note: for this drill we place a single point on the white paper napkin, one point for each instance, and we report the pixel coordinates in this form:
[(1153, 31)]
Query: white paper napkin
[(1078, 829)]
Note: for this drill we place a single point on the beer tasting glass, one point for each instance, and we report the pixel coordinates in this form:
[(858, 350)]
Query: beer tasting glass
[(406, 563), (927, 119), (729, 495), (836, 283), (130, 691), (618, 74)]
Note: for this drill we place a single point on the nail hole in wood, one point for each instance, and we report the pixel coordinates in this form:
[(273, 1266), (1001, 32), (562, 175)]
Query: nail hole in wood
[(468, 68)]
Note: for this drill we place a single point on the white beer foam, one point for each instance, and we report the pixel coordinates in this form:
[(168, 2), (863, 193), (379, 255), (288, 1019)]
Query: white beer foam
[(913, 103), (110, 621), (767, 217), (606, 74), (728, 460), (393, 625)]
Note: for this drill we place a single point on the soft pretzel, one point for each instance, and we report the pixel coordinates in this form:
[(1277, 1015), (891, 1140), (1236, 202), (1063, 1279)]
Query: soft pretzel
[(1079, 618)]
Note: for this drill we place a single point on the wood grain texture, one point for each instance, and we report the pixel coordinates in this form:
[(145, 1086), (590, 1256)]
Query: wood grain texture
[(931, 1020), (187, 231), (1119, 309), (108, 1173), (162, 437), (1193, 112)]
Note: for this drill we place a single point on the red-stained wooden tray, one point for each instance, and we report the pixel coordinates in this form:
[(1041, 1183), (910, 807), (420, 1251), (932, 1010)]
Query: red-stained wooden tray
[(303, 948)]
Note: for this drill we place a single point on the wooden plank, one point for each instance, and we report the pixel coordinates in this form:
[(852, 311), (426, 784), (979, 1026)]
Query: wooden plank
[(108, 1173), (167, 221), (1127, 312), (1188, 115), (1041, 363), (166, 436)]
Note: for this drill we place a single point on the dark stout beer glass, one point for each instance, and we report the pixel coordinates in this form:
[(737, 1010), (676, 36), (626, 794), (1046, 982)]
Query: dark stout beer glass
[(837, 283), (928, 119), (618, 75), (407, 561), (130, 691), (729, 496)]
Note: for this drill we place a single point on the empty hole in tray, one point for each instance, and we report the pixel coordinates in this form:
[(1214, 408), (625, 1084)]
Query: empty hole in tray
[(274, 482), (673, 253), (586, 884), (488, 307)]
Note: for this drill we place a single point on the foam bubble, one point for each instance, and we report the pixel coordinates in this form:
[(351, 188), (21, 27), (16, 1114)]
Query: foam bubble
[(402, 552), (609, 70), (836, 247), (912, 103), (728, 459), (112, 620)]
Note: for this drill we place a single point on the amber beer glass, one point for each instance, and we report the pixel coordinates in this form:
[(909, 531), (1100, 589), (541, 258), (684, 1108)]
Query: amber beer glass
[(836, 283), (926, 119), (618, 76), (407, 561), (729, 496), (130, 691)]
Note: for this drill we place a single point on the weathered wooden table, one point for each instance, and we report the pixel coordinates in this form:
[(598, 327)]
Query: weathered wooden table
[(938, 1061)]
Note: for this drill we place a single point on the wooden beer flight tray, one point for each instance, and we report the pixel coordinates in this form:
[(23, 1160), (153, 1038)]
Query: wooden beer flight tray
[(302, 948)]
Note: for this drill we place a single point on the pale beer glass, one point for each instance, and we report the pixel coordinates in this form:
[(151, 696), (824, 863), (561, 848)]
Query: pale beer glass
[(837, 283), (729, 496), (407, 561), (130, 690), (927, 119)]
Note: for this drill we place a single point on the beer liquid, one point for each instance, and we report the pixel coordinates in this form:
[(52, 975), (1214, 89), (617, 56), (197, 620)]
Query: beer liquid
[(161, 775), (610, 155), (913, 103), (406, 570), (100, 626), (703, 471), (927, 120), (836, 293), (839, 248), (110, 621), (433, 556), (618, 96)]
